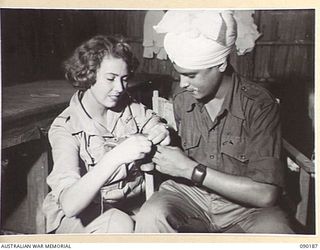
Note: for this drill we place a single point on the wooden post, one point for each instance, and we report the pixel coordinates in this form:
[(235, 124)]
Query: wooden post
[(302, 208), (149, 178)]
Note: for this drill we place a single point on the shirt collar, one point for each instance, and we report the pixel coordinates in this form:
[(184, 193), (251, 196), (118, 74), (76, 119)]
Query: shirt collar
[(232, 101), (82, 121)]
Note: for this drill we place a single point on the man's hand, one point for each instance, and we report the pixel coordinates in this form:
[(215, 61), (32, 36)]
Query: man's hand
[(172, 161)]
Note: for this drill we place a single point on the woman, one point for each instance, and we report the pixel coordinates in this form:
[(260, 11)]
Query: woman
[(96, 140)]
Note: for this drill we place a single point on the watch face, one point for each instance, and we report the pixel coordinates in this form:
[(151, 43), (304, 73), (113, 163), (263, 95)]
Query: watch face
[(198, 174)]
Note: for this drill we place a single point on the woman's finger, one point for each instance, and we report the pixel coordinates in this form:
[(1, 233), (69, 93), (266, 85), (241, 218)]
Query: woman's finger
[(156, 156), (159, 138), (157, 130)]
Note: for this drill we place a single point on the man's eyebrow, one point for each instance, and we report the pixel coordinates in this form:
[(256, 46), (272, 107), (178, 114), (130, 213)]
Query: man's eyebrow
[(187, 73)]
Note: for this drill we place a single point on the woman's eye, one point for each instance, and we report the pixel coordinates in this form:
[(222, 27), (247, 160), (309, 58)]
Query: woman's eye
[(110, 79)]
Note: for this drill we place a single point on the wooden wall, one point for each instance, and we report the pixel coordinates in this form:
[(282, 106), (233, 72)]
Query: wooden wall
[(35, 42), (285, 49)]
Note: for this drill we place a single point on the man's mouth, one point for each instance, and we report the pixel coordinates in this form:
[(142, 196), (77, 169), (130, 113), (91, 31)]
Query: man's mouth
[(192, 90)]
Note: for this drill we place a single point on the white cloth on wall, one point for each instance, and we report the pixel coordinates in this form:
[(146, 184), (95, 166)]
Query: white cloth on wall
[(153, 41), (247, 31), (197, 39)]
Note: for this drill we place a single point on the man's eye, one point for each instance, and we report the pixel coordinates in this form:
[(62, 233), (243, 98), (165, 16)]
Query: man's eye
[(111, 79)]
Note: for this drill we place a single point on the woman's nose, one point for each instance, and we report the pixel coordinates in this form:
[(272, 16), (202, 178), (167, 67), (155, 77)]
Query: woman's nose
[(119, 85), (184, 81)]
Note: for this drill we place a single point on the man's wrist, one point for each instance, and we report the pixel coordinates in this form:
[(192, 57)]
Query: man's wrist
[(198, 174)]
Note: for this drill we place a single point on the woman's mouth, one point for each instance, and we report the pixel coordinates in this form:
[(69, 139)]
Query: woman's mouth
[(114, 97)]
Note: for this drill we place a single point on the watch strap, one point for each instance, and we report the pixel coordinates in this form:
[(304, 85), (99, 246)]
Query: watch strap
[(198, 174)]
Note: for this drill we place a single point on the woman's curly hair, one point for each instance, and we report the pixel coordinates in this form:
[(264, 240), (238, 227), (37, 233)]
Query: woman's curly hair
[(82, 66)]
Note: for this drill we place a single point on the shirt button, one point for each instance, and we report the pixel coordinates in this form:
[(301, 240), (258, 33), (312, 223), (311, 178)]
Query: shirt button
[(184, 144), (244, 88), (211, 156), (242, 157)]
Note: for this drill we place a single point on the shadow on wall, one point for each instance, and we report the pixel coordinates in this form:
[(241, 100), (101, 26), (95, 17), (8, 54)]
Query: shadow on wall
[(297, 112)]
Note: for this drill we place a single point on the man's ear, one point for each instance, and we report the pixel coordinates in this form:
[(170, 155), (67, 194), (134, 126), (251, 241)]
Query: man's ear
[(223, 67)]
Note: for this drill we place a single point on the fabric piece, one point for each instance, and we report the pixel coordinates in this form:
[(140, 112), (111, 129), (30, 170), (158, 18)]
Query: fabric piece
[(153, 41), (92, 221), (200, 39), (182, 208), (247, 31)]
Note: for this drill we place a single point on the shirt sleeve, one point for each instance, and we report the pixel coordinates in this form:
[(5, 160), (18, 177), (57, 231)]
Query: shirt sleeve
[(177, 110), (144, 117), (65, 153), (264, 144)]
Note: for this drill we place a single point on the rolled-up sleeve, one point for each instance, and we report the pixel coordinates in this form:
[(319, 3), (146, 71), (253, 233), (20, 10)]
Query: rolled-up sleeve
[(65, 155), (264, 145)]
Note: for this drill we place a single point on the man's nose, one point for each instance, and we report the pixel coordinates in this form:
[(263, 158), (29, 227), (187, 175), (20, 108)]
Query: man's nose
[(184, 81)]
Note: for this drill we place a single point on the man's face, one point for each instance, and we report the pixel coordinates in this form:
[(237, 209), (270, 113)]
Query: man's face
[(202, 83)]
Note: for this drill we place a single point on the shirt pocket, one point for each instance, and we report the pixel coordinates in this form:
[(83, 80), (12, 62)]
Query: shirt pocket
[(190, 141), (235, 147), (126, 127)]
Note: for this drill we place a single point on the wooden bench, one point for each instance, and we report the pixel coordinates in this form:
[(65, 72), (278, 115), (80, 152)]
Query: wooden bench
[(28, 110), (299, 195)]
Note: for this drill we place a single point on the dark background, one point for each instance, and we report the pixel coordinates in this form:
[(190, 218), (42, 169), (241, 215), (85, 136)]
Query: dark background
[(36, 41)]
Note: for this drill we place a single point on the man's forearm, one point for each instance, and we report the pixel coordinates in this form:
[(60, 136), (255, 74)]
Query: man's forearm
[(241, 189)]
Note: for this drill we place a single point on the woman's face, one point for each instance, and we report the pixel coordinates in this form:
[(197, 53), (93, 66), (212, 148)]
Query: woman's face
[(111, 81)]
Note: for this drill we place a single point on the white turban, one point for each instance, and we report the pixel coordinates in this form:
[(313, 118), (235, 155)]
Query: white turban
[(198, 39)]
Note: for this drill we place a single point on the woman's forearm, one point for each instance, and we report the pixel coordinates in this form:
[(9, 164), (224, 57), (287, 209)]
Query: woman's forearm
[(79, 195)]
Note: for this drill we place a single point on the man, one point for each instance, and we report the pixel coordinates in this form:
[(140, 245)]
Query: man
[(228, 175)]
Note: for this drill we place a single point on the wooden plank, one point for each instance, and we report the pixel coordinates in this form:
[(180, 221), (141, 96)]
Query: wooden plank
[(302, 208), (305, 163), (20, 101), (28, 111), (25, 187), (37, 190), (289, 43)]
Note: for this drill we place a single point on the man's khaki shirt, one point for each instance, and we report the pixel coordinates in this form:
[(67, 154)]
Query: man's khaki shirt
[(244, 139)]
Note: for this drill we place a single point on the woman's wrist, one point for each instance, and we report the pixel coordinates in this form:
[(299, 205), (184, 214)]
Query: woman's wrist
[(112, 158)]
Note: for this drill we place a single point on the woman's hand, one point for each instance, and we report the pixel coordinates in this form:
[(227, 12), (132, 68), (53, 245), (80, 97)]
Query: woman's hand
[(172, 161), (158, 133), (133, 148)]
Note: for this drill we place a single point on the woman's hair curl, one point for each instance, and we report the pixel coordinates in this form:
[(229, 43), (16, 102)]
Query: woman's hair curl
[(81, 67)]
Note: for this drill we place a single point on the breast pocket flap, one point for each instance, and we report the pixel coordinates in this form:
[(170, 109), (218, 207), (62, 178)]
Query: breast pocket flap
[(234, 149), (191, 142)]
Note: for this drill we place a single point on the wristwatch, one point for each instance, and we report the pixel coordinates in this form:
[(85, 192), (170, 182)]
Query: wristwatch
[(198, 174)]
